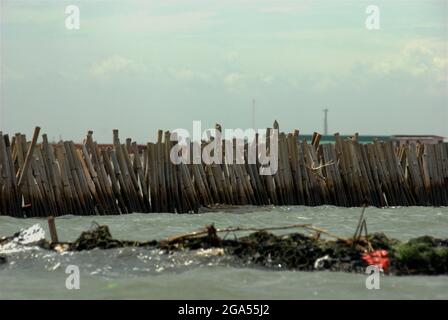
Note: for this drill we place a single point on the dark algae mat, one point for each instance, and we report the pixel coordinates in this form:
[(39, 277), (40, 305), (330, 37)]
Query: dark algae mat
[(314, 249)]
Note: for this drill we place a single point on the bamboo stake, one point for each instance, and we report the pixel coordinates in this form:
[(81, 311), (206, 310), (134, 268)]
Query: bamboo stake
[(28, 157)]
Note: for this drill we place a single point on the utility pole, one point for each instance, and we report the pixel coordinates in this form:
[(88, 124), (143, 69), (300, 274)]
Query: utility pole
[(325, 121), (253, 114)]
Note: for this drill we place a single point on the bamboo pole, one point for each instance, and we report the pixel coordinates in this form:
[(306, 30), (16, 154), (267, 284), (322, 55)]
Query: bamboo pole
[(28, 157)]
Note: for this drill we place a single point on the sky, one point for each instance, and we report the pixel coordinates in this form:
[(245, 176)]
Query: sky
[(140, 66)]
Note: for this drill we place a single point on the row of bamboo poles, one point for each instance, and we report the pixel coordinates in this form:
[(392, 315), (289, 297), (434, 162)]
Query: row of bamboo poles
[(42, 179)]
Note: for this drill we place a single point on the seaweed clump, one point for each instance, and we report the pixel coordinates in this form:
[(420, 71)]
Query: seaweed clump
[(295, 251), (100, 237), (194, 241), (423, 255)]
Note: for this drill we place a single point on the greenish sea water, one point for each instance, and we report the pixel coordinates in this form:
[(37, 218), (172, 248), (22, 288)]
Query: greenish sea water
[(150, 274)]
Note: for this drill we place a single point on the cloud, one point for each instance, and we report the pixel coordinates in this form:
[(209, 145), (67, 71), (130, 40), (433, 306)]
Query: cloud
[(25, 12), (144, 22), (8, 73), (424, 60), (285, 9), (417, 57), (187, 74), (234, 79), (112, 65), (285, 6), (267, 79), (232, 56), (324, 84)]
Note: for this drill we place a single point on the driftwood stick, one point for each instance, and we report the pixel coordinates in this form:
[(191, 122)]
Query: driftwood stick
[(235, 229), (358, 230), (52, 227)]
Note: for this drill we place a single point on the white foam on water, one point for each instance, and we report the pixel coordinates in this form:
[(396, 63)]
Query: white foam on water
[(23, 240)]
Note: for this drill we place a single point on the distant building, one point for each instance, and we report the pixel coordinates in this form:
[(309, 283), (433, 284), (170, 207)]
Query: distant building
[(414, 139), (397, 140), (332, 139)]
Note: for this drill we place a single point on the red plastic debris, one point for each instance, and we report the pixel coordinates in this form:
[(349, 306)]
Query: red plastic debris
[(378, 258)]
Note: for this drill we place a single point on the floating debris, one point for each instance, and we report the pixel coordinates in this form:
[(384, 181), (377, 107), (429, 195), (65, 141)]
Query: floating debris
[(293, 251)]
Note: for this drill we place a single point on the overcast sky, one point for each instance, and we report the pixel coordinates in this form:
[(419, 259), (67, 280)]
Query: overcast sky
[(144, 65)]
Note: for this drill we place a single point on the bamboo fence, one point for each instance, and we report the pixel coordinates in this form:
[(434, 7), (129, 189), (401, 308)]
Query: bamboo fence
[(52, 179)]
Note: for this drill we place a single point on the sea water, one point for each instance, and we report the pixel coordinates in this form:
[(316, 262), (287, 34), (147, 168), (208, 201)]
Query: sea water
[(137, 273)]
